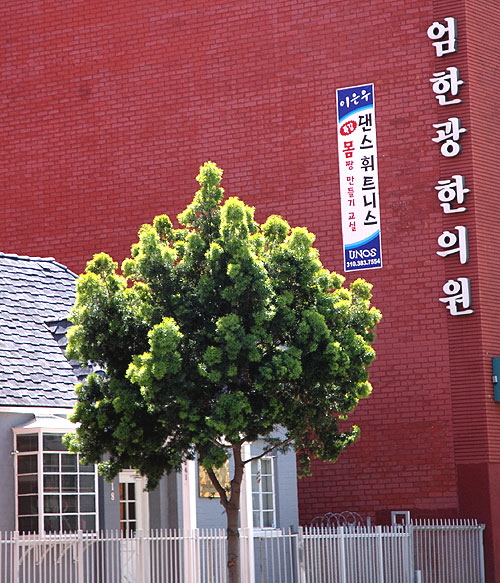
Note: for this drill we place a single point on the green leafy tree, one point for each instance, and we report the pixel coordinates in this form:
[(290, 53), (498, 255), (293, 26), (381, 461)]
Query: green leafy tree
[(212, 335)]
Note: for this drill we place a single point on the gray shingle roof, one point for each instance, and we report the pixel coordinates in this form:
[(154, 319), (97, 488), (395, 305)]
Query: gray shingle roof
[(35, 297)]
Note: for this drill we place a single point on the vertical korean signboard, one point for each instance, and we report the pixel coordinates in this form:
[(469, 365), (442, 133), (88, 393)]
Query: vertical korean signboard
[(451, 192), (357, 145)]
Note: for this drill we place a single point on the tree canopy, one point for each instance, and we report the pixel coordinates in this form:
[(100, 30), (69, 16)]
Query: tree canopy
[(213, 334)]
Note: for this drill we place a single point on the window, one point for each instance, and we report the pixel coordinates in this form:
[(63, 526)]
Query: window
[(205, 487), (263, 503), (128, 510), (134, 503), (54, 493)]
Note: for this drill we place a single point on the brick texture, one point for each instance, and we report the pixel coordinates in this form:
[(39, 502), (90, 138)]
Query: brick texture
[(109, 108)]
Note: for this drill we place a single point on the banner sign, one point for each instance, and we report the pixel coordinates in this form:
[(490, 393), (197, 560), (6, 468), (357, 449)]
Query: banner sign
[(358, 172)]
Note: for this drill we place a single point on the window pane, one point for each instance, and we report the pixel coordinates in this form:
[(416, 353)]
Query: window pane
[(51, 504), (87, 523), (256, 501), (69, 522), (267, 501), (69, 504), (131, 510), (28, 524), (28, 505), (53, 442), (87, 484), (87, 469), (68, 462), (27, 464), (50, 462), (27, 484), (27, 442), (268, 519), (267, 484), (265, 465), (52, 523), (87, 503), (69, 483), (51, 483), (256, 519)]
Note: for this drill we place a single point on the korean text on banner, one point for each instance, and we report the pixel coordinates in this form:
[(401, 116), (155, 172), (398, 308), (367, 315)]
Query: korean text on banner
[(358, 173)]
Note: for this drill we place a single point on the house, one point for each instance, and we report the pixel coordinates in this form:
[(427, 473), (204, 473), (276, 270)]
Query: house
[(44, 488)]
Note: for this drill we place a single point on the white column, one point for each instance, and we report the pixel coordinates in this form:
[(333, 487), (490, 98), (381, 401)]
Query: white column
[(189, 495), (190, 531), (246, 521)]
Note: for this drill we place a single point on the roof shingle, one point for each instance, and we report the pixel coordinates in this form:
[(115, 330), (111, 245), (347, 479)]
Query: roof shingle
[(36, 295)]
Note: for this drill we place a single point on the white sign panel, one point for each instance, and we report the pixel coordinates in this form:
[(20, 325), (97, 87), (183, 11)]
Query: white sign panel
[(358, 172)]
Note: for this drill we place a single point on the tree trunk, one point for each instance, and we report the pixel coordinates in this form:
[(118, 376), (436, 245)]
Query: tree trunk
[(233, 544), (233, 517), (231, 503)]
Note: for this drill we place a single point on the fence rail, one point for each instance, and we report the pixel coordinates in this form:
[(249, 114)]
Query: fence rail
[(448, 551), (372, 555), (426, 551)]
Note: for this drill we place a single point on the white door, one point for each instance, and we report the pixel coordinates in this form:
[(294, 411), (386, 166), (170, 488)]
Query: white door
[(134, 517), (134, 511)]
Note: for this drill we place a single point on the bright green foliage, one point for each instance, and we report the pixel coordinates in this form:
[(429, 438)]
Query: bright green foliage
[(216, 333)]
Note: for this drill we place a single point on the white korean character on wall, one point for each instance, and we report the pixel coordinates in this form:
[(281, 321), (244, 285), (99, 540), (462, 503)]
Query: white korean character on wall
[(444, 35), (449, 133), (455, 243), (458, 296), (452, 190), (447, 82)]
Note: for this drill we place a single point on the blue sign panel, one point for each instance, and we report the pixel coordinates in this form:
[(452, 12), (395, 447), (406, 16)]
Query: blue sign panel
[(358, 173)]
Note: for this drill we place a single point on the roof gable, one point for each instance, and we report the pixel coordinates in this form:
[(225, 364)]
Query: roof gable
[(35, 295)]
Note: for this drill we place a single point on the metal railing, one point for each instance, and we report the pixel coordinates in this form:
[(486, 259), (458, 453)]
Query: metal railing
[(369, 554), (448, 551), (426, 551)]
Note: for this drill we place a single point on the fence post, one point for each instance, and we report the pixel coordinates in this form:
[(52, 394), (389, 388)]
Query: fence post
[(139, 543), (481, 552), (342, 558), (380, 554), (247, 556), (247, 565), (414, 575), (402, 519), (79, 557), (191, 533), (191, 539), (300, 566), (16, 563)]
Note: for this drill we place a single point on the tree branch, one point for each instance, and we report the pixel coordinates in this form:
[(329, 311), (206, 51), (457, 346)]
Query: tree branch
[(218, 487), (268, 450)]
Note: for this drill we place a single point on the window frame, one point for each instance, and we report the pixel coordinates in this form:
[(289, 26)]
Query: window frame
[(41, 514), (261, 511), (138, 502)]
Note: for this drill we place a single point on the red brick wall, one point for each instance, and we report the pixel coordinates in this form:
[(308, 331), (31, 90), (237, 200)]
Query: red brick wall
[(479, 467), (109, 108)]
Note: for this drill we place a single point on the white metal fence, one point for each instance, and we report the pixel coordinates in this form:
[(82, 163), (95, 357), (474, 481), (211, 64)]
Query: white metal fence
[(448, 551), (364, 554), (426, 551)]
